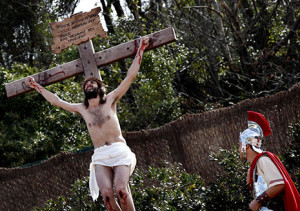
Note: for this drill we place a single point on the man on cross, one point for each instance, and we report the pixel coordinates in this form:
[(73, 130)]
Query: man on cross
[(112, 162)]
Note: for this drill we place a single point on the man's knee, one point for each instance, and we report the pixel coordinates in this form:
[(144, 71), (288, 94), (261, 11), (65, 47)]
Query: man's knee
[(121, 190), (107, 192)]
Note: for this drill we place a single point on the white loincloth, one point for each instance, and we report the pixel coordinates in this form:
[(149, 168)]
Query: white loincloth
[(115, 154)]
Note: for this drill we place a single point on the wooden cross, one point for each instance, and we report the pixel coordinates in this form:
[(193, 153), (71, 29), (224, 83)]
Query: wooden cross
[(89, 60)]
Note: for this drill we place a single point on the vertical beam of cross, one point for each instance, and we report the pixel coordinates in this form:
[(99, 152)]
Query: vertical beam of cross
[(86, 51)]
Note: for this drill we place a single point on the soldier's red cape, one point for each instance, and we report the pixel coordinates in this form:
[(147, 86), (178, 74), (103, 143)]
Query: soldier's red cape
[(291, 196)]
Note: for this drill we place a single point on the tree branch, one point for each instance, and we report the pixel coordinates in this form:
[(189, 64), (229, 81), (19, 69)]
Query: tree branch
[(285, 40)]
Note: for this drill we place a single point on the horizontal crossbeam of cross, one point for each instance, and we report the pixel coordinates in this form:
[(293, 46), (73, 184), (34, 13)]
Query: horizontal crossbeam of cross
[(101, 58)]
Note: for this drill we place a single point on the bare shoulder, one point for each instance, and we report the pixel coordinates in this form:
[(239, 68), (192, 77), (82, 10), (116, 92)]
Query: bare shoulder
[(110, 97), (78, 107)]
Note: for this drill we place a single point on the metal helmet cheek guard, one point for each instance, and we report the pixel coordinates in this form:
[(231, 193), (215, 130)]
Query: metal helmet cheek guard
[(258, 128)]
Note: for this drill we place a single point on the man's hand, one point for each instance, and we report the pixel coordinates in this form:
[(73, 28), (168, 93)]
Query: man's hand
[(144, 43), (31, 82), (254, 205)]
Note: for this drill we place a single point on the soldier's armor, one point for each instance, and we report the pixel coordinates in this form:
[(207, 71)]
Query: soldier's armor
[(259, 186)]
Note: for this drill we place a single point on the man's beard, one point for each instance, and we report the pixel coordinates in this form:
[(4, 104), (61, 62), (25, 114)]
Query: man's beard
[(89, 94)]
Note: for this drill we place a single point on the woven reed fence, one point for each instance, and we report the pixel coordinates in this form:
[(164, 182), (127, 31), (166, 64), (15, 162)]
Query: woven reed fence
[(188, 140)]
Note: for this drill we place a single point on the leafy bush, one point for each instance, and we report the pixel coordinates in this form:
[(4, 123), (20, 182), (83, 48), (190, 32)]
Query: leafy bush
[(79, 199), (291, 158), (171, 188), (229, 191)]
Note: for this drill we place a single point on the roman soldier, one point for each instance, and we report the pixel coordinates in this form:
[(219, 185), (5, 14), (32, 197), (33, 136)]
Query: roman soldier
[(267, 178)]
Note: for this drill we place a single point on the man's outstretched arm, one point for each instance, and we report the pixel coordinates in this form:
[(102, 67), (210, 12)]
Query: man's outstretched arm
[(52, 98), (133, 70)]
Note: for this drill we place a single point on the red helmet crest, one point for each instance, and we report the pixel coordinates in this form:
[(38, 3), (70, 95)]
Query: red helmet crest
[(259, 119)]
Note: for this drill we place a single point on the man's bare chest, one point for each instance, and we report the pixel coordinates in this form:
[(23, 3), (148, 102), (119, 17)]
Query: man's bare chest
[(97, 117)]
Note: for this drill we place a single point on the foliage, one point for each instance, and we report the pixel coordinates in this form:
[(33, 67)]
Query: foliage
[(155, 102), (229, 191), (291, 158), (26, 33), (78, 200), (31, 128), (171, 188), (237, 49)]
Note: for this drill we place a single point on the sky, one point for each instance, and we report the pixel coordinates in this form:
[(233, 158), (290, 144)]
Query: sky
[(86, 5)]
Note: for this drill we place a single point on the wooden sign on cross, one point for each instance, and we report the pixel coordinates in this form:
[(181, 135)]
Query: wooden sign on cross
[(89, 60), (80, 28)]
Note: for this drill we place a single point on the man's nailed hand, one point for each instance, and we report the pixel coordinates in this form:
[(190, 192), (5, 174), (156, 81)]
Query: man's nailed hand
[(32, 84), (144, 43)]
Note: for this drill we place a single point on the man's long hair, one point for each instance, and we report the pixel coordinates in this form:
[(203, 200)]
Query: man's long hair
[(101, 90)]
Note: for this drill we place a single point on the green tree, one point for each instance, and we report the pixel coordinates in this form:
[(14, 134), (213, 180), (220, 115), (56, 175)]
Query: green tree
[(31, 128), (26, 34)]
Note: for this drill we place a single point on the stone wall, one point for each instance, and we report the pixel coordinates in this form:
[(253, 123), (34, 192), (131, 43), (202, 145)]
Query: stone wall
[(188, 140)]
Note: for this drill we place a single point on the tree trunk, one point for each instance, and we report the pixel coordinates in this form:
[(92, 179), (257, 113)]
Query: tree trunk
[(118, 7), (135, 10), (233, 19), (221, 34), (107, 17)]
